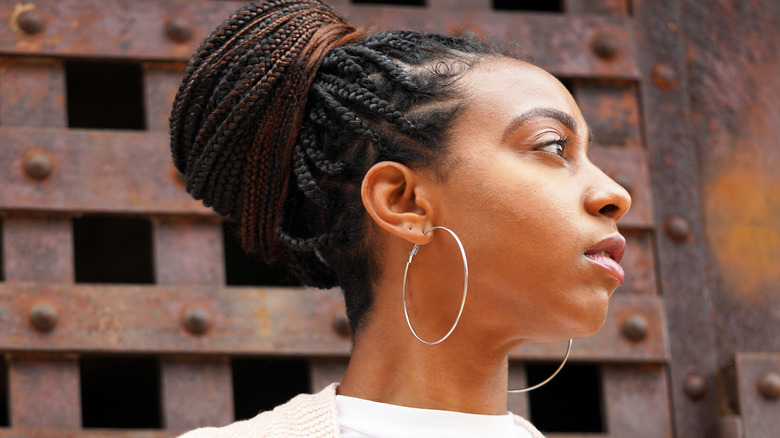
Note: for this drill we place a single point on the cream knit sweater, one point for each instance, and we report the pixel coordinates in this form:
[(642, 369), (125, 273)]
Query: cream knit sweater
[(306, 415)]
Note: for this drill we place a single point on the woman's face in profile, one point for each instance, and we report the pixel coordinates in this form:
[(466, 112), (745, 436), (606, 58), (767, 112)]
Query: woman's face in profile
[(529, 206)]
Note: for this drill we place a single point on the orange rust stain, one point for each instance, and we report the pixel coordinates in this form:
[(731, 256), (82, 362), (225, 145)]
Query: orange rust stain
[(743, 226)]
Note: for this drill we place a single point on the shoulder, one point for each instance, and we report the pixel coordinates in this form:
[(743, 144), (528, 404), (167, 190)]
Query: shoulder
[(522, 422), (306, 415)]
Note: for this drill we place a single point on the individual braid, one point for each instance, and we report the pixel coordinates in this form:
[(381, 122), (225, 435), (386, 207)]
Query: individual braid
[(285, 108)]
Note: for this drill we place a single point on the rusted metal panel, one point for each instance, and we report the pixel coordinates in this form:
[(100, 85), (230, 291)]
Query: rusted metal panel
[(734, 89), (38, 249), (517, 378), (679, 236), (188, 251), (44, 391), (636, 401), (639, 264), (161, 82), (611, 110), (196, 391), (92, 170), (324, 371), (291, 321), (607, 7), (758, 391), (630, 167), (32, 92), (137, 29)]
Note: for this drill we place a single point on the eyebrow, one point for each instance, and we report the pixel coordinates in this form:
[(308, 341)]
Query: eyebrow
[(542, 113)]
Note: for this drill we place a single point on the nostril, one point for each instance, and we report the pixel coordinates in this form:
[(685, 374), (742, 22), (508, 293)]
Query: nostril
[(609, 210)]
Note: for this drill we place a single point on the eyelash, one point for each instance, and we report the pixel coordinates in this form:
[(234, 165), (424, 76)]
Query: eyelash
[(559, 141)]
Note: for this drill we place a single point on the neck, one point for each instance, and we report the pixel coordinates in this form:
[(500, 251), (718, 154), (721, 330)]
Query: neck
[(461, 374)]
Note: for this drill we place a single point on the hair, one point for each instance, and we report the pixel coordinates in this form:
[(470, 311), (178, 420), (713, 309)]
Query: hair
[(282, 111)]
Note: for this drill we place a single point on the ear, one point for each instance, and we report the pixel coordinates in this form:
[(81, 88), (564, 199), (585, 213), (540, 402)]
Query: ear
[(397, 199)]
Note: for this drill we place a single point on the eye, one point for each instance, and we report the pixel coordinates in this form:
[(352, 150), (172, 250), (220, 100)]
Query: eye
[(555, 147)]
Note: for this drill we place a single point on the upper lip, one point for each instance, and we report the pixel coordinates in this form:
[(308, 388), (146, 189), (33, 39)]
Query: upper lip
[(614, 245)]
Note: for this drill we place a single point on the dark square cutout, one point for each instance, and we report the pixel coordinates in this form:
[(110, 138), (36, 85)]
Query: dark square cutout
[(260, 384), (569, 403), (245, 270), (120, 392), (529, 5), (4, 393), (113, 250), (104, 95)]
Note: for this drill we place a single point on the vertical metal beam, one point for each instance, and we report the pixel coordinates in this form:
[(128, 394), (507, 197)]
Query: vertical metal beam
[(679, 236), (518, 403), (324, 371), (758, 393), (38, 249), (32, 92), (189, 251), (44, 391), (636, 401)]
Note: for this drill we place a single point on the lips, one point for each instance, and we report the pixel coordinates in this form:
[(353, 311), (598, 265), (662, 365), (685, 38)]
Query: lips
[(607, 255)]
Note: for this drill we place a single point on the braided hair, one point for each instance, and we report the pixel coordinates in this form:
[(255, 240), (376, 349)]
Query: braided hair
[(282, 111)]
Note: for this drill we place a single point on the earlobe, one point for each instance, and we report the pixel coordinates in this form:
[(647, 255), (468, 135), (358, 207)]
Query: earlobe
[(395, 197)]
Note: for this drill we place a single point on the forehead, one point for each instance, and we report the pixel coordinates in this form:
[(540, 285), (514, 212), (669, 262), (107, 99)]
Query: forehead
[(502, 88)]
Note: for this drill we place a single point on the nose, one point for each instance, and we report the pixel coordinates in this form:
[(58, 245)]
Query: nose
[(605, 197)]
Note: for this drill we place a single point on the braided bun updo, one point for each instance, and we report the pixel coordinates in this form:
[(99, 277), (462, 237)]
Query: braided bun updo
[(282, 111)]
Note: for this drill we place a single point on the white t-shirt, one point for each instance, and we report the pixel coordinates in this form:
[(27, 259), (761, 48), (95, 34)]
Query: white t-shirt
[(361, 418)]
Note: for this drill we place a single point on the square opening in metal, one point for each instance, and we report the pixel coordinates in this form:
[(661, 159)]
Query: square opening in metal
[(120, 392), (4, 393), (103, 95), (2, 249), (245, 270), (529, 5), (260, 384), (113, 250), (569, 403)]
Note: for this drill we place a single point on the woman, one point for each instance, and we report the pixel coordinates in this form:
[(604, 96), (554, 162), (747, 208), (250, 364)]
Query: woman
[(365, 162)]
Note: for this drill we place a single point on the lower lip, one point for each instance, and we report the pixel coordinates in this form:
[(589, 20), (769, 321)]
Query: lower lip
[(611, 266)]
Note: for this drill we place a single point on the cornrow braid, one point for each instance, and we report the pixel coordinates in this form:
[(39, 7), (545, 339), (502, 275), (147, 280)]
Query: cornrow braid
[(283, 110)]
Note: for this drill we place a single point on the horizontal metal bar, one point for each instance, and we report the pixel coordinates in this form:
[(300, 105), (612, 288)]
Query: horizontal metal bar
[(274, 321), (137, 29), (132, 172)]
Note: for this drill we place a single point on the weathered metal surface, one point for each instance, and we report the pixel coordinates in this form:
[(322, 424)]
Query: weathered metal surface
[(611, 110), (607, 7), (617, 161), (105, 171), (196, 392), (188, 251), (636, 401), (32, 92), (37, 249), (639, 264), (137, 29), (161, 82), (759, 413), (673, 171), (326, 370), (252, 321), (89, 433), (518, 378), (734, 91), (44, 391)]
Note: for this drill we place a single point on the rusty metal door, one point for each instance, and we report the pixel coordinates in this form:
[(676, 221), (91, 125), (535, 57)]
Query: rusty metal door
[(126, 309)]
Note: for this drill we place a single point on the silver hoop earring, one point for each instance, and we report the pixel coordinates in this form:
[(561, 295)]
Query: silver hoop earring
[(538, 385), (465, 286)]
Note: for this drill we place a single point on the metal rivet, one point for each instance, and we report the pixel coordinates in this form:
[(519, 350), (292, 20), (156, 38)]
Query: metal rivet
[(31, 22), (196, 320), (43, 316), (624, 180), (695, 387), (677, 228), (37, 165), (664, 76), (605, 46), (634, 328), (179, 29), (341, 325), (769, 386)]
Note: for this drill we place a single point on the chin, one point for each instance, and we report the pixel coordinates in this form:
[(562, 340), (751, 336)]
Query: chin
[(592, 317)]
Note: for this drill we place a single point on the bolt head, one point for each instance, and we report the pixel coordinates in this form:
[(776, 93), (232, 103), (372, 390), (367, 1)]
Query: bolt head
[(31, 22), (634, 328), (38, 165), (664, 76), (179, 29), (678, 228), (341, 325), (695, 387), (769, 386), (196, 320), (43, 316), (605, 46)]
